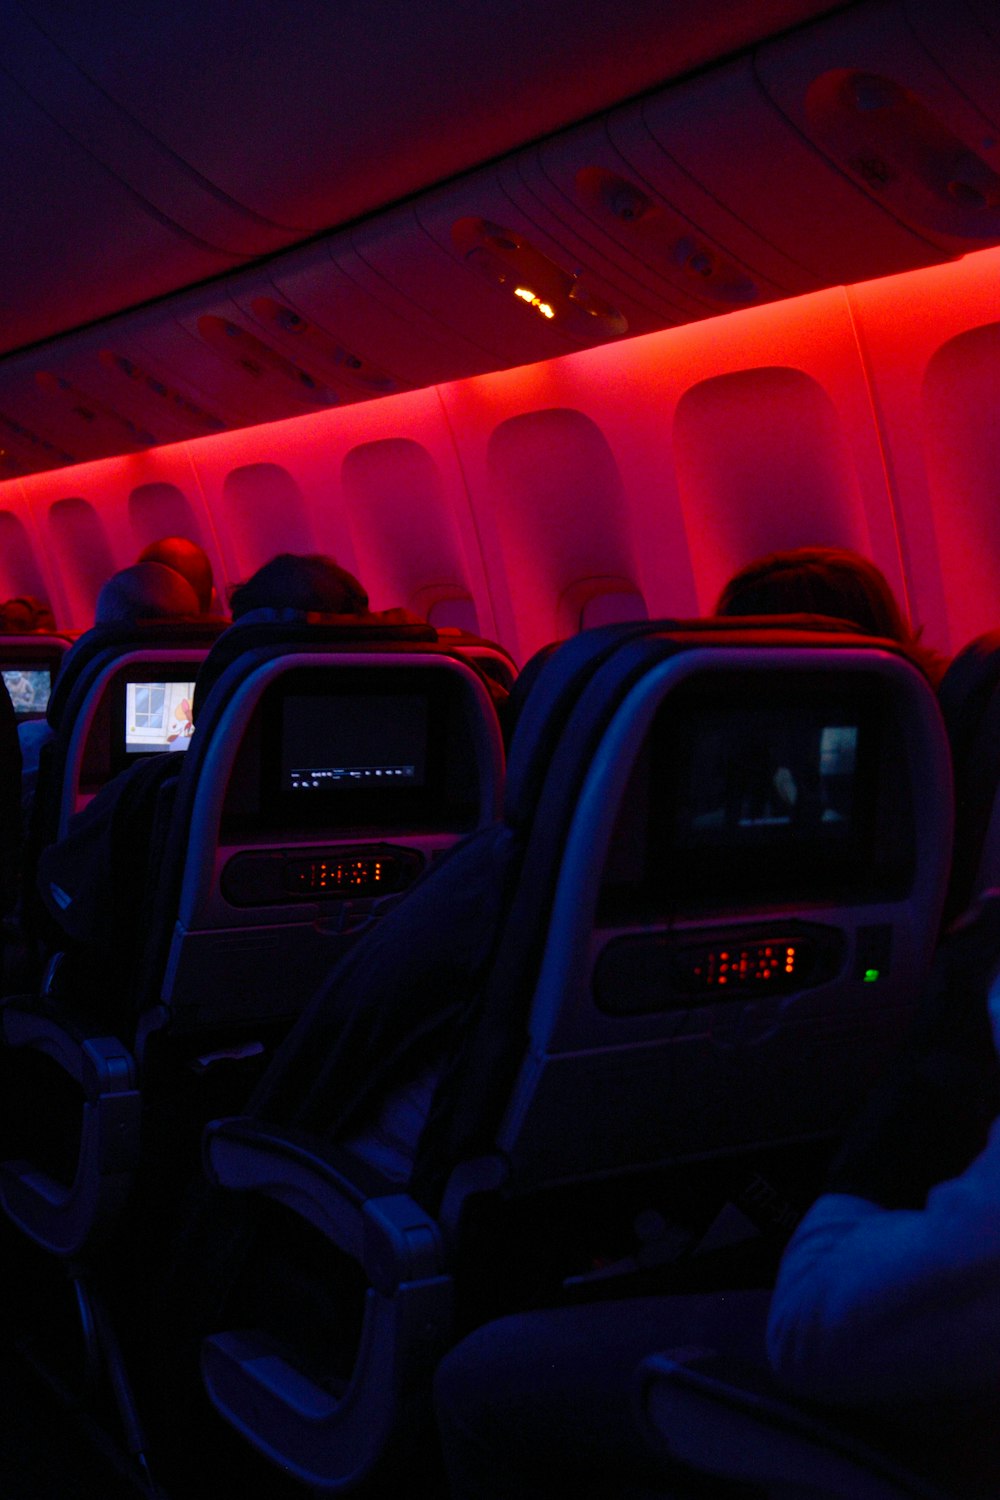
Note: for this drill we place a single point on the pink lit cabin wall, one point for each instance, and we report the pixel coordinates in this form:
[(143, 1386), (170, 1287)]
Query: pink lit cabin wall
[(624, 480)]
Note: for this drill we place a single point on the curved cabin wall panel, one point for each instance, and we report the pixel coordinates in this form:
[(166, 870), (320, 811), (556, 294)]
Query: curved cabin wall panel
[(561, 518), (961, 429), (25, 566), (762, 463), (281, 487), (644, 469), (358, 469), (406, 539), (256, 503), (932, 449), (600, 526), (770, 437), (157, 509), (83, 551)]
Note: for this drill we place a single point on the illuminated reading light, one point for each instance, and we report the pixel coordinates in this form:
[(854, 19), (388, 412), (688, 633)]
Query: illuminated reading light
[(533, 301)]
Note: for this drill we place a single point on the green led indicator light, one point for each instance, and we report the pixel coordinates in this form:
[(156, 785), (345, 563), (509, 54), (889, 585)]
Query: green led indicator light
[(871, 975)]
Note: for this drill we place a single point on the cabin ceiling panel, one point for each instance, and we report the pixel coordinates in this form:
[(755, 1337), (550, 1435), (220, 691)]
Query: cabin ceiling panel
[(309, 114), (583, 179), (77, 243), (328, 287), (714, 193), (867, 93), (756, 162)]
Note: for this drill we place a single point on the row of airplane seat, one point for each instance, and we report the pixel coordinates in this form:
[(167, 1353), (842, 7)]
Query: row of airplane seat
[(471, 1028)]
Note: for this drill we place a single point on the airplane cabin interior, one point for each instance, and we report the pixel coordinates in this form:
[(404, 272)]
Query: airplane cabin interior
[(529, 935)]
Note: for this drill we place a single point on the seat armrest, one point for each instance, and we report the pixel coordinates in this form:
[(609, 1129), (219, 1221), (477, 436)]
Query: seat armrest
[(728, 1418), (99, 1064), (261, 1387), (362, 1213), (68, 1219)]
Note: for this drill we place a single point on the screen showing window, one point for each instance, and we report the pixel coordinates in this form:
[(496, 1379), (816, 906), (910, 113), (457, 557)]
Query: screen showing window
[(29, 689), (158, 716)]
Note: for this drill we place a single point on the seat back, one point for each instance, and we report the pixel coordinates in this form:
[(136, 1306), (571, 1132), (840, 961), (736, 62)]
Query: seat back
[(132, 704), (699, 928), (969, 695), (753, 835), (87, 706), (319, 785), (29, 665)]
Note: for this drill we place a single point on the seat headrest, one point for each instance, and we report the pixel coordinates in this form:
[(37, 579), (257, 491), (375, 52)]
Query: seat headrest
[(967, 689), (293, 630), (552, 681), (969, 696), (119, 640)]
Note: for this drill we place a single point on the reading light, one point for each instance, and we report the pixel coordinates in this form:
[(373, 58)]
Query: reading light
[(510, 261), (545, 308)]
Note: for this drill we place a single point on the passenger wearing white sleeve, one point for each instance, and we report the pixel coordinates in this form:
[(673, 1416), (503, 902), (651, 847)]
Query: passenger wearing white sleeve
[(896, 1311)]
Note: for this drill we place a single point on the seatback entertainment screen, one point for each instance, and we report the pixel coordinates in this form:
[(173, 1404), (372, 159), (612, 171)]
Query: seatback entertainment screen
[(158, 717), (748, 799), (372, 742), (29, 689)]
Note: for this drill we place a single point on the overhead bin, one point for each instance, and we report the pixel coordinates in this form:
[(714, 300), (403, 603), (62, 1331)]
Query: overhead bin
[(49, 409), (412, 250), (560, 218), (348, 371), (733, 141), (97, 393), (472, 259), (242, 364), (867, 90), (119, 246), (651, 232), (23, 451), (108, 134)]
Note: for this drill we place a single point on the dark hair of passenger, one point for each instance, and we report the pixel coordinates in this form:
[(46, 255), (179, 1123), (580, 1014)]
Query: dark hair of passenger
[(311, 582), (832, 581), (817, 581), (146, 591), (187, 559), (25, 614)]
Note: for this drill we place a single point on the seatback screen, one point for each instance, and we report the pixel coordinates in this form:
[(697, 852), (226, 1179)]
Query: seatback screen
[(377, 751), (741, 800), (29, 689), (375, 742), (158, 716)]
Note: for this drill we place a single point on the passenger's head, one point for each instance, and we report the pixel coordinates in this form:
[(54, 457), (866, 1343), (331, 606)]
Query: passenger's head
[(817, 581), (146, 591), (187, 559), (24, 614), (311, 582)]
